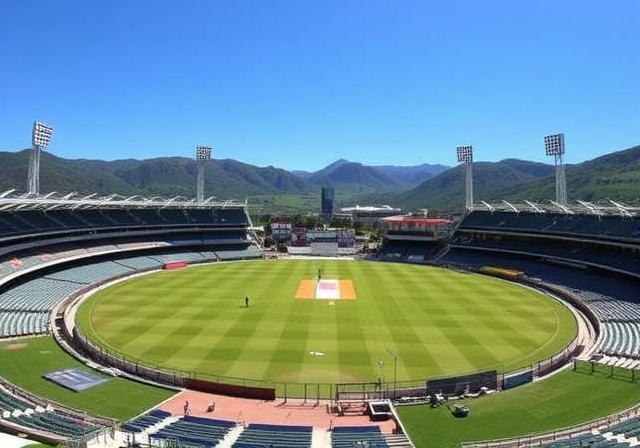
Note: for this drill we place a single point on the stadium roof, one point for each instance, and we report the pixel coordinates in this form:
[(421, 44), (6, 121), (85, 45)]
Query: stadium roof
[(601, 208), (370, 208), (11, 201), (409, 219)]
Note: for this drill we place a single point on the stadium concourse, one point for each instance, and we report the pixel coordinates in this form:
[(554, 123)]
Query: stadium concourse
[(589, 255)]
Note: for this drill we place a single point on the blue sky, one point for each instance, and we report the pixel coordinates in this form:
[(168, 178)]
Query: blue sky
[(299, 84)]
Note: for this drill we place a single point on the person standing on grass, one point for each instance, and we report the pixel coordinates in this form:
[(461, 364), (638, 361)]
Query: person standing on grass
[(246, 301)]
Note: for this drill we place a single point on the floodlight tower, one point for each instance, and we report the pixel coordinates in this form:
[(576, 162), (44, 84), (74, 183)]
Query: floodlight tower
[(40, 139), (554, 146), (203, 155), (465, 155)]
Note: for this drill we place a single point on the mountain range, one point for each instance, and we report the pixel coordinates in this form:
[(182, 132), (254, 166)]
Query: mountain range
[(615, 176)]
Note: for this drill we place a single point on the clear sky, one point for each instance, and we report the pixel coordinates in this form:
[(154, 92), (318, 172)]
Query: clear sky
[(298, 84)]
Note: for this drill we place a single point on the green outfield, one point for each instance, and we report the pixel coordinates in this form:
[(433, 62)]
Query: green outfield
[(24, 362), (565, 399), (437, 321)]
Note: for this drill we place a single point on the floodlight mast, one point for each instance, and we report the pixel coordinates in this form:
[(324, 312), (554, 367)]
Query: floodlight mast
[(40, 139), (203, 155), (554, 146), (465, 155)]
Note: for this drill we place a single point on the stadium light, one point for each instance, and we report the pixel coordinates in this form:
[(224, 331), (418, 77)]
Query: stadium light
[(41, 135), (203, 155), (554, 146), (465, 155)]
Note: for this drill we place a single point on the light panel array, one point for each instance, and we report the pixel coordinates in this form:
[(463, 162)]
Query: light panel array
[(465, 154), (41, 134), (554, 145), (203, 152)]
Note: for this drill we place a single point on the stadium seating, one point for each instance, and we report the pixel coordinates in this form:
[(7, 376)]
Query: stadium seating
[(350, 436), (145, 421), (610, 227), (194, 431), (53, 423), (593, 239), (619, 435), (408, 250), (276, 436), (12, 403), (576, 251), (61, 221)]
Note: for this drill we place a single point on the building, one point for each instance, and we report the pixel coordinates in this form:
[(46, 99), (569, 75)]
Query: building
[(327, 199), (370, 215)]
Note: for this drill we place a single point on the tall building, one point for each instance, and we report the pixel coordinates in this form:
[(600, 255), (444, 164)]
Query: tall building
[(327, 197)]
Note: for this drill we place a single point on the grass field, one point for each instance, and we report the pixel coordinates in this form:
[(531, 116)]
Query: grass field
[(25, 366), (565, 399), (437, 321)]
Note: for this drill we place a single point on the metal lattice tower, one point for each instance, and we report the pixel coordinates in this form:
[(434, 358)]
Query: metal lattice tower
[(203, 155), (465, 155), (554, 146), (40, 139)]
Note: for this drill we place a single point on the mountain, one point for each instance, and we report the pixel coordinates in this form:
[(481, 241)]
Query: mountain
[(613, 176), (306, 175), (391, 176), (446, 190), (411, 176), (57, 174), (352, 177), (166, 176)]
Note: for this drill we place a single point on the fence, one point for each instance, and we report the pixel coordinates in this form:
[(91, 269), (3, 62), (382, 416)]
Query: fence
[(612, 371)]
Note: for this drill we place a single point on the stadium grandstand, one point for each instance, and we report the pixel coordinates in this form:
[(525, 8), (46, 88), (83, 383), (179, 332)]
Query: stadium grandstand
[(413, 238), (327, 243), (67, 245), (52, 246), (366, 214), (592, 251), (301, 241)]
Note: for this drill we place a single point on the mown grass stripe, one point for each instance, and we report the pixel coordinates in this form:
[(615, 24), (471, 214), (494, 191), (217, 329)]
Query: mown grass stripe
[(434, 318)]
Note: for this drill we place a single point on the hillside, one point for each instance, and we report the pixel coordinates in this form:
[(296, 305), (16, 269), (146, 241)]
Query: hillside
[(446, 190), (272, 190), (351, 177), (168, 176), (356, 177), (613, 176)]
